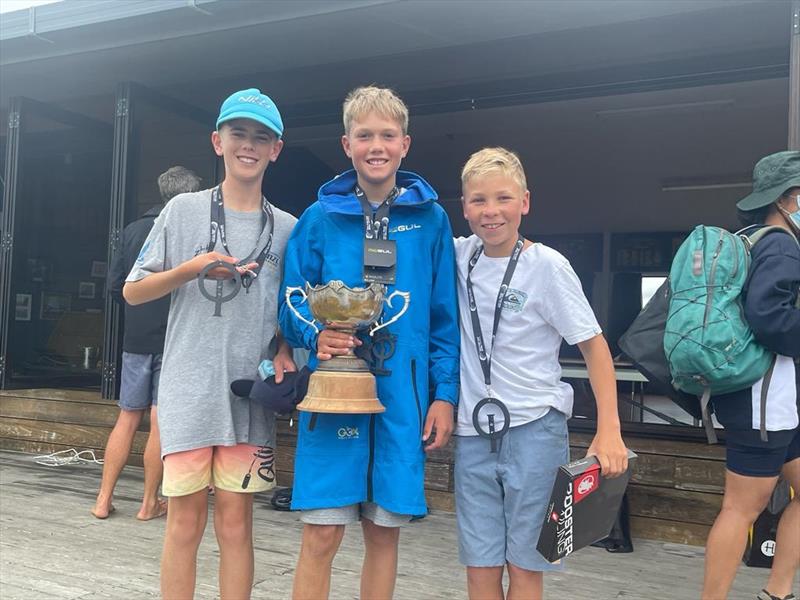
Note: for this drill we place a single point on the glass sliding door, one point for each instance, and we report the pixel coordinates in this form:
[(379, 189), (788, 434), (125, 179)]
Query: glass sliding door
[(54, 239)]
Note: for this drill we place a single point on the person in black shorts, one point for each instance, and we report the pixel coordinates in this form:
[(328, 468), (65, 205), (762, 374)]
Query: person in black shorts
[(142, 347), (770, 303)]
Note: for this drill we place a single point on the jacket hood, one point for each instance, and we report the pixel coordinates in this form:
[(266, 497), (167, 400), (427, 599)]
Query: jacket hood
[(338, 196), (153, 212)]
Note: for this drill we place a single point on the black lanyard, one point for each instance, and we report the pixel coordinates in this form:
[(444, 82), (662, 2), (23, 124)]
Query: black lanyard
[(218, 225), (484, 358), (376, 221)]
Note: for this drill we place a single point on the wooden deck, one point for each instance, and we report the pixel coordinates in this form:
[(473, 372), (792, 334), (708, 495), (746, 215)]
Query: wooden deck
[(675, 491), (51, 548)]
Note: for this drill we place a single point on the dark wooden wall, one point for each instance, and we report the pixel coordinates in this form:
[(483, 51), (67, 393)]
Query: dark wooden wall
[(675, 491)]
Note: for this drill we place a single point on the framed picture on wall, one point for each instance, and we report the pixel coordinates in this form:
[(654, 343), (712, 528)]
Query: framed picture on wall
[(54, 305), (86, 289), (37, 269), (22, 311), (99, 269)]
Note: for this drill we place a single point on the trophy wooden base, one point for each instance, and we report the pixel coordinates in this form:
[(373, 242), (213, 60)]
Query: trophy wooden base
[(341, 392)]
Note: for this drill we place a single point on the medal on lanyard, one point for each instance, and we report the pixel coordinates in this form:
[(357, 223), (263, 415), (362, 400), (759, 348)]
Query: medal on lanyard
[(380, 253), (239, 280), (484, 357)]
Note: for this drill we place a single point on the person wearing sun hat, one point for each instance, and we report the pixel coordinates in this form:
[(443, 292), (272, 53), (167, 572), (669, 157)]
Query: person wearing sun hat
[(770, 303), (232, 235)]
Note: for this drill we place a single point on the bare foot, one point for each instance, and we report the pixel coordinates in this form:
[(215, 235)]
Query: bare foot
[(102, 510), (159, 510)]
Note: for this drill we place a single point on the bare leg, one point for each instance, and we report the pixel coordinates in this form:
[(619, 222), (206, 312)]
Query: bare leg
[(379, 572), (118, 447), (233, 525), (312, 577), (787, 545), (186, 522), (745, 498), (485, 583), (524, 584), (152, 506)]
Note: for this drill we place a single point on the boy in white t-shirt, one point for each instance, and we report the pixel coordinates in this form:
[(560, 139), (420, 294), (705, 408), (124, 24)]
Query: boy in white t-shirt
[(508, 450)]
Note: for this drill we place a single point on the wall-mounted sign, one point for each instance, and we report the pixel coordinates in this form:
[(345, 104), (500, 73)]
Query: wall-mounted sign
[(644, 252)]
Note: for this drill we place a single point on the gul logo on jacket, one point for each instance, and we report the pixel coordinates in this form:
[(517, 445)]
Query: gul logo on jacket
[(404, 228), (347, 433)]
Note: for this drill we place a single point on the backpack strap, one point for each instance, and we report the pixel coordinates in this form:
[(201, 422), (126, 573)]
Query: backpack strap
[(757, 236), (764, 391), (711, 435)]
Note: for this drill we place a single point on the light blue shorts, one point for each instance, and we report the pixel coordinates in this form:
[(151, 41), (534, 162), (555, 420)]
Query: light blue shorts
[(502, 497), (346, 515), (138, 389)]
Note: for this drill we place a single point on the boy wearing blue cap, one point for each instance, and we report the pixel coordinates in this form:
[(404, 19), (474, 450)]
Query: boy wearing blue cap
[(218, 253), (360, 467)]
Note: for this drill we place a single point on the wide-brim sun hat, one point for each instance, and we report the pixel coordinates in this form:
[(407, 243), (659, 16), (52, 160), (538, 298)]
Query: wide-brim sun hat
[(251, 104), (773, 175)]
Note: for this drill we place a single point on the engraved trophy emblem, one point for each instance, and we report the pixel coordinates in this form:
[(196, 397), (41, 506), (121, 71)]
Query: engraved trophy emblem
[(344, 383)]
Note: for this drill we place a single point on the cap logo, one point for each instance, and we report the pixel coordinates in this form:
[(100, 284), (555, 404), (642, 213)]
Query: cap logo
[(255, 100)]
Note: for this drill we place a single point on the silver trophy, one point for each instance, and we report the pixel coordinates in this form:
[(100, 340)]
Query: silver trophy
[(344, 383)]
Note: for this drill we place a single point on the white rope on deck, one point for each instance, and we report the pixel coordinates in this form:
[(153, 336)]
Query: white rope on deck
[(67, 457)]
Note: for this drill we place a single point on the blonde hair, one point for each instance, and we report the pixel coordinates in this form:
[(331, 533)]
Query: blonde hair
[(382, 101), (490, 161)]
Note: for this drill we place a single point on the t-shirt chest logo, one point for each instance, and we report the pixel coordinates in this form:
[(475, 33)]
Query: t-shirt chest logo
[(515, 300), (273, 260)]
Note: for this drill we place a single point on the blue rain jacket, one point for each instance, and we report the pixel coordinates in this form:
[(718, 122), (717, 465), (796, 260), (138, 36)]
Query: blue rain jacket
[(347, 459)]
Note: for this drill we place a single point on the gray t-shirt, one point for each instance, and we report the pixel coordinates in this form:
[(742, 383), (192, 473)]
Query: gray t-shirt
[(203, 354)]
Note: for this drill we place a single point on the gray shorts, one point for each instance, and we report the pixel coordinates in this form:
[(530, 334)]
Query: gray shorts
[(138, 388), (346, 515), (502, 497)]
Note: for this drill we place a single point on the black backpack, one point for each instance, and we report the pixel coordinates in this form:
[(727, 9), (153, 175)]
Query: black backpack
[(643, 344)]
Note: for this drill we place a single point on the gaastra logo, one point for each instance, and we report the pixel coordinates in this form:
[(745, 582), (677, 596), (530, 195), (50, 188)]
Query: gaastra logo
[(379, 250), (564, 526), (252, 99), (348, 433), (514, 300), (402, 228)]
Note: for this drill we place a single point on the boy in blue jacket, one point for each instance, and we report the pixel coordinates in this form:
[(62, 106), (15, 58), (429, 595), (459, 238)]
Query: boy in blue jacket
[(371, 467)]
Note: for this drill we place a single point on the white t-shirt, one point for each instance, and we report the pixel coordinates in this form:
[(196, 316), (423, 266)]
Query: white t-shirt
[(544, 303)]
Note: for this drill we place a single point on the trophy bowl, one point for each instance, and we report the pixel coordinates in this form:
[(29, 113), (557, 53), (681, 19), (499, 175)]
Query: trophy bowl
[(344, 383), (341, 307)]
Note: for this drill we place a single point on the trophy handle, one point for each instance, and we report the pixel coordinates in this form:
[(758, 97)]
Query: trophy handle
[(406, 298), (289, 292)]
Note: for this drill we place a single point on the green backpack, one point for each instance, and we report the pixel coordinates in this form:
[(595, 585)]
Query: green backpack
[(707, 341)]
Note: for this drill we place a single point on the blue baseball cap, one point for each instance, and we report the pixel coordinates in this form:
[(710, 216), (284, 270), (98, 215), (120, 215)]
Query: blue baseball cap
[(251, 104)]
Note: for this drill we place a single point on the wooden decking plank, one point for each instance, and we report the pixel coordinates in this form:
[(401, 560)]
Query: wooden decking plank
[(59, 411), (57, 394), (63, 433)]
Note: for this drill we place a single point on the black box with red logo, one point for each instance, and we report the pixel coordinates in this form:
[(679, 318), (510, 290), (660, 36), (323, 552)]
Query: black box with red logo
[(583, 507)]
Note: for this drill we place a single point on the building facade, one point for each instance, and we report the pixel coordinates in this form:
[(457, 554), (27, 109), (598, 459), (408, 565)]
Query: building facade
[(635, 121)]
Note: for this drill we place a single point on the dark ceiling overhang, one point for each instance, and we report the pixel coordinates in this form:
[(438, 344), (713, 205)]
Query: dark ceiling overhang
[(442, 55)]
